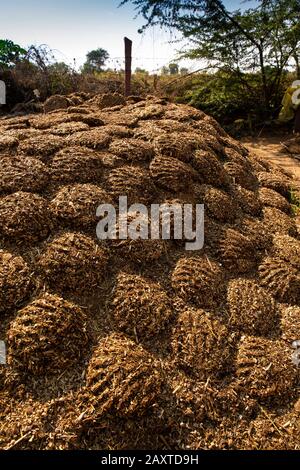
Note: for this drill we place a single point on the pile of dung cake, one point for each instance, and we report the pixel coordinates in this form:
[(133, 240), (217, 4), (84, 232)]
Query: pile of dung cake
[(140, 344)]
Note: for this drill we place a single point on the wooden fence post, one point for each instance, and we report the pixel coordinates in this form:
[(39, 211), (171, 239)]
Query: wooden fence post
[(128, 63)]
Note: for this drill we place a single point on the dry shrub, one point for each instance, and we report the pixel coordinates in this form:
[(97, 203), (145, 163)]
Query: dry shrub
[(73, 262), (20, 173), (210, 170), (42, 146), (77, 205), (141, 308), (56, 102), (133, 182), (248, 201), (47, 336), (277, 221), (8, 142), (269, 197), (275, 181), (287, 248), (257, 232), (241, 175), (219, 205), (252, 309), (24, 217), (264, 368), (198, 280), (281, 279), (76, 165), (69, 128), (132, 149), (237, 251), (290, 324), (96, 139), (172, 174), (123, 378), (181, 146), (138, 250), (201, 344), (15, 280), (109, 100)]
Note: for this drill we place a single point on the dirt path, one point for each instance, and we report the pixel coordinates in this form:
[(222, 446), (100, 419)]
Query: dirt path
[(270, 149)]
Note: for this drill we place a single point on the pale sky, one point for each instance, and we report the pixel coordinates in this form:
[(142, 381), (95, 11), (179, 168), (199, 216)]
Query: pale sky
[(73, 27)]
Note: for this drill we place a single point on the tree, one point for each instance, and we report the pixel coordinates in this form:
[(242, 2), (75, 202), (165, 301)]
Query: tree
[(173, 69), (141, 70), (165, 70), (95, 60), (263, 40), (10, 53)]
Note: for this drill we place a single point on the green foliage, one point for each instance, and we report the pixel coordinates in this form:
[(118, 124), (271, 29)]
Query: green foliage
[(95, 60), (10, 53), (295, 201)]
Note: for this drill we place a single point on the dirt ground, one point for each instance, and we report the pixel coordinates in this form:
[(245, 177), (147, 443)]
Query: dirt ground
[(270, 148)]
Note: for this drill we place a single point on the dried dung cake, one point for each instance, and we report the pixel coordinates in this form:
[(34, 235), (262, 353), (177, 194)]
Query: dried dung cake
[(252, 309), (76, 165), (76, 205), (201, 344), (132, 248), (134, 182), (172, 174), (24, 217), (218, 204), (277, 221), (132, 149), (15, 281), (275, 181), (237, 251), (290, 324), (141, 308), (73, 262), (42, 146), (123, 377), (47, 336), (269, 197), (56, 102), (281, 279), (152, 343), (264, 368), (248, 201), (210, 169), (20, 173), (96, 139), (198, 280)]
